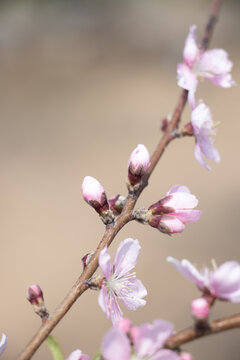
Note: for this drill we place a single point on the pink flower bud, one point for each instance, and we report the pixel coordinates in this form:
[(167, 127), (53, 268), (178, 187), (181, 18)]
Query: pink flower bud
[(116, 204), (200, 309), (35, 294), (86, 258), (139, 160), (138, 163), (124, 324), (35, 297), (94, 194), (92, 190), (185, 356)]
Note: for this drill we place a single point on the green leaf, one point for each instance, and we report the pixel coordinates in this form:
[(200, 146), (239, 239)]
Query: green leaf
[(54, 348), (97, 356)]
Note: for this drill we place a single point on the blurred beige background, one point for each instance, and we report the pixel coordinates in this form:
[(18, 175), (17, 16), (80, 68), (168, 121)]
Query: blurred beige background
[(82, 83)]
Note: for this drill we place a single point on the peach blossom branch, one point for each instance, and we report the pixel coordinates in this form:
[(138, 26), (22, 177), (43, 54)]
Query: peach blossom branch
[(111, 230)]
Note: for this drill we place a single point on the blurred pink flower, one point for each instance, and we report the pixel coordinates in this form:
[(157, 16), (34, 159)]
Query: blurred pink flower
[(148, 343), (78, 355), (202, 124), (3, 343), (210, 64), (200, 308), (175, 209), (119, 282), (222, 283)]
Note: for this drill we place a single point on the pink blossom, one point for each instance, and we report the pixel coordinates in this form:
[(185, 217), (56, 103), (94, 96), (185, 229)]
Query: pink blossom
[(148, 343), (202, 124), (119, 282), (78, 355), (200, 308), (3, 343), (210, 64), (222, 283), (92, 190), (174, 210)]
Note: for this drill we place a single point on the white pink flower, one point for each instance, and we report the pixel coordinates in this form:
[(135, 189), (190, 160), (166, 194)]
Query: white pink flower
[(148, 343), (222, 283), (78, 355), (118, 282), (175, 209), (202, 124), (3, 343), (210, 64)]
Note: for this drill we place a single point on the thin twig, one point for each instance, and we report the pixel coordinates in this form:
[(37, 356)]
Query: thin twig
[(111, 231), (193, 333)]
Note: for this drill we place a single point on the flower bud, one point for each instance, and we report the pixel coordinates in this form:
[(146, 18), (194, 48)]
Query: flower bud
[(138, 164), (35, 297), (185, 356), (116, 204), (94, 194), (86, 258), (200, 309), (124, 324)]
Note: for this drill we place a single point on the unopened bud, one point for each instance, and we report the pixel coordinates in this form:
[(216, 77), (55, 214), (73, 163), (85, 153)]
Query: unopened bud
[(138, 164), (94, 194), (187, 129), (86, 258), (185, 356), (116, 204), (200, 309), (164, 124), (35, 297), (124, 324)]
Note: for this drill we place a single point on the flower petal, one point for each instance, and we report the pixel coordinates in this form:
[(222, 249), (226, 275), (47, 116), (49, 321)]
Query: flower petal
[(181, 200), (115, 345), (225, 281), (178, 188), (224, 80), (200, 158), (3, 343), (78, 355), (126, 256), (103, 300), (170, 224), (215, 61), (186, 78), (187, 215), (165, 354), (188, 270), (190, 50), (104, 262), (151, 337), (132, 296)]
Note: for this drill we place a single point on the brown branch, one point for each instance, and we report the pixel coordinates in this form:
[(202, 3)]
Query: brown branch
[(111, 230), (193, 333)]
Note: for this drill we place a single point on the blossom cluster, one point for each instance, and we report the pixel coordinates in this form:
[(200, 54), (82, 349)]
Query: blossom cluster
[(198, 64)]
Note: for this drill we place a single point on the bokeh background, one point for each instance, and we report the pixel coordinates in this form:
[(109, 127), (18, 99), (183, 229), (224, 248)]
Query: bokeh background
[(82, 83)]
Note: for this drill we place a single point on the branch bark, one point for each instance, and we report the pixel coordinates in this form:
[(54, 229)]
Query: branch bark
[(111, 230), (193, 333)]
